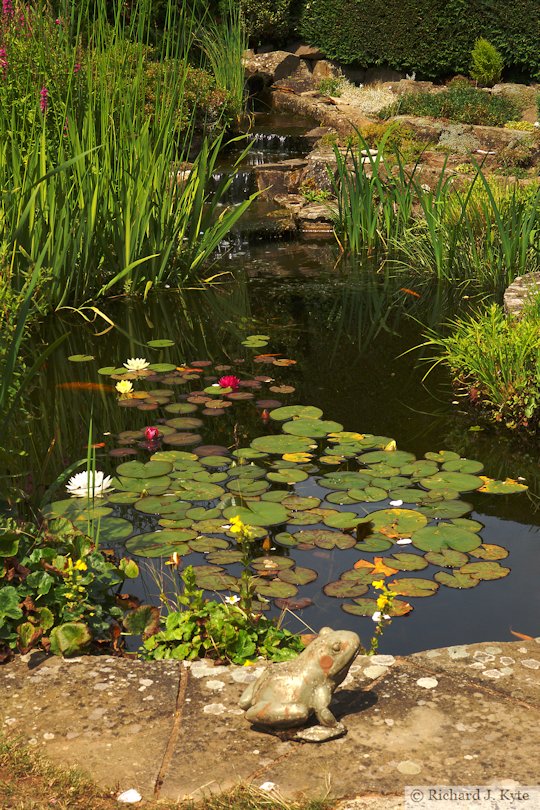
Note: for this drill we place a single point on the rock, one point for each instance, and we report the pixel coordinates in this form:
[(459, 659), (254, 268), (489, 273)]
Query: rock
[(326, 70), (318, 734), (424, 129), (279, 178), (412, 86), (309, 52), (519, 292), (300, 80), (271, 67), (522, 94), (459, 138)]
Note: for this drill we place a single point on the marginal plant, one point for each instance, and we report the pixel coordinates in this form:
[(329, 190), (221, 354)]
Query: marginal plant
[(486, 63)]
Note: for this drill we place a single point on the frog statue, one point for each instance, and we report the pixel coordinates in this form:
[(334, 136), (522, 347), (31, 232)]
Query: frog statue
[(286, 694)]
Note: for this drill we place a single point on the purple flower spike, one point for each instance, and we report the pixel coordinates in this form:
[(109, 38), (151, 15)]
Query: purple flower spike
[(43, 99), (7, 8)]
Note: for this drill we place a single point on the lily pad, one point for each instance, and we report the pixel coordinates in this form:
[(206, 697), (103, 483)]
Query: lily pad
[(442, 456), (143, 486), (203, 544), (419, 469), (282, 444), (395, 458), (405, 562), (369, 494), (287, 476), (471, 525), (181, 407), (464, 465), (286, 539), (295, 412), (485, 570), (274, 588), (224, 557), (461, 482), (489, 551), (396, 522), (198, 491), (182, 439), (445, 509), (80, 358), (507, 487), (245, 487), (456, 580), (314, 428), (259, 513), (138, 469), (160, 344), (213, 578), (184, 422), (365, 606), (446, 558), (310, 517), (298, 575), (342, 589), (341, 497), (160, 505), (299, 502), (413, 587), (324, 538), (344, 480), (445, 535), (162, 368), (114, 529), (272, 564), (375, 542), (342, 520), (248, 453), (161, 543)]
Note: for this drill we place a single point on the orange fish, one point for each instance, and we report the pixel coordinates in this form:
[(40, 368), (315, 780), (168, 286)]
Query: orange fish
[(85, 386), (410, 292)]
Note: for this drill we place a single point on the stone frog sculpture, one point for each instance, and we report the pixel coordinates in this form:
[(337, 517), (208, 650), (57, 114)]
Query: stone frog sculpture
[(286, 694)]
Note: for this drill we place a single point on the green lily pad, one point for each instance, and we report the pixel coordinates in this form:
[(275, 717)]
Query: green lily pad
[(80, 358), (313, 428), (287, 476), (160, 344), (295, 412), (456, 580), (485, 570), (463, 465), (436, 538), (341, 497), (114, 529), (413, 587), (395, 522), (212, 525), (203, 544), (213, 578), (325, 538), (161, 544), (442, 456), (173, 523), (299, 503), (224, 557), (369, 494), (342, 520), (395, 458), (282, 444), (198, 491), (245, 487), (344, 480), (446, 558), (405, 562), (343, 589), (76, 507), (419, 469), (461, 482), (471, 525), (298, 575), (137, 469), (184, 422), (405, 494), (286, 539), (274, 588), (272, 564), (106, 371), (248, 453), (162, 368), (249, 471), (489, 551), (507, 487), (181, 407), (123, 497), (143, 486), (208, 477), (275, 495), (364, 574), (375, 542), (445, 509), (160, 505), (173, 455), (200, 513), (259, 513), (310, 517), (365, 606)]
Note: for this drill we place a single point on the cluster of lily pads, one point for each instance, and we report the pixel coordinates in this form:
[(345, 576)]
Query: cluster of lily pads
[(306, 484)]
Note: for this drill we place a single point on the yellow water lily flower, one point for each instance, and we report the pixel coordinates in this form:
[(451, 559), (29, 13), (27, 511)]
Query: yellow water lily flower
[(124, 387)]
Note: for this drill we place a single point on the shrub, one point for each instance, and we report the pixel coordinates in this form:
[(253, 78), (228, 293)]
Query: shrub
[(487, 63), (330, 86), (460, 102), (522, 126), (265, 20), (432, 37), (494, 362)]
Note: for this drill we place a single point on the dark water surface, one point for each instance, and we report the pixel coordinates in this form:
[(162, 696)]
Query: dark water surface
[(347, 331)]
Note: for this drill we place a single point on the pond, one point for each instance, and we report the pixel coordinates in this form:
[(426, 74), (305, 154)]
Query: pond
[(346, 331)]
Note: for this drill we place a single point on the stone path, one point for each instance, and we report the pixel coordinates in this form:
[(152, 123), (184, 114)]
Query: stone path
[(457, 716)]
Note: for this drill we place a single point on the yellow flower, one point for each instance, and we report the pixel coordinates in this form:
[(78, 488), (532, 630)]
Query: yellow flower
[(80, 566), (378, 583), (382, 601), (124, 387)]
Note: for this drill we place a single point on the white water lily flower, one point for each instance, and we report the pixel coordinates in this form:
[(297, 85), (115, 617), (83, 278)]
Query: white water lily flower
[(136, 364), (85, 484), (124, 387), (396, 503), (403, 541), (377, 616), (232, 600)]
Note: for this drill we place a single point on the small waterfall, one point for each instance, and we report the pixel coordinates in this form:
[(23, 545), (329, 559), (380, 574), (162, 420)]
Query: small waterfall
[(243, 184)]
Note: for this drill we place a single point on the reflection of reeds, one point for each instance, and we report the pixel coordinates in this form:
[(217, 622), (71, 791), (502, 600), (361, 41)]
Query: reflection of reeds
[(485, 233)]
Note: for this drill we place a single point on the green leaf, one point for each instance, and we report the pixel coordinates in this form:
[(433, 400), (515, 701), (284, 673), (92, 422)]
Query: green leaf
[(413, 587), (313, 428), (259, 513), (143, 621), (445, 535), (342, 588), (160, 344), (129, 568), (9, 603), (80, 358), (456, 580), (485, 570), (295, 412), (70, 638), (9, 544), (138, 469)]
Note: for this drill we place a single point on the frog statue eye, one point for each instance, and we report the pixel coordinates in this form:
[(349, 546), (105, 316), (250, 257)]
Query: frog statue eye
[(336, 646)]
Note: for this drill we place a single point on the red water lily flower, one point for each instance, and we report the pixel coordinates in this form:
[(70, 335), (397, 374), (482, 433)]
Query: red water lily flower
[(151, 433), (229, 381)]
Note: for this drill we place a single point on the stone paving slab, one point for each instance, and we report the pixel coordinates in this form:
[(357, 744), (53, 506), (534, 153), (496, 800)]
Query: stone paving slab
[(110, 716), (175, 730)]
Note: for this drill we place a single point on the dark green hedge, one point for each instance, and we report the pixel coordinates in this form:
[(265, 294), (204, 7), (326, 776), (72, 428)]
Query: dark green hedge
[(432, 37)]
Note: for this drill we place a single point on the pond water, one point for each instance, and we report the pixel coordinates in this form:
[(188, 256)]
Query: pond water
[(347, 332)]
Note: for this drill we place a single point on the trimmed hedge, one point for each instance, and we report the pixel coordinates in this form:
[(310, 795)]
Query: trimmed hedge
[(432, 37)]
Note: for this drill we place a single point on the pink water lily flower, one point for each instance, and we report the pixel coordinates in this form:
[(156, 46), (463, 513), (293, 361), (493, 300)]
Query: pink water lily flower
[(229, 381), (151, 433)]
